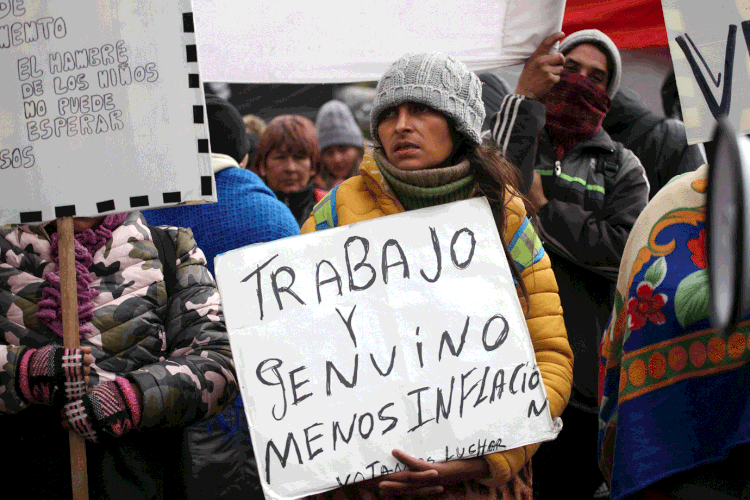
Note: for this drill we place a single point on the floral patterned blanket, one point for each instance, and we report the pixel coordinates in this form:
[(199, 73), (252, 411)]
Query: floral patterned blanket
[(673, 394)]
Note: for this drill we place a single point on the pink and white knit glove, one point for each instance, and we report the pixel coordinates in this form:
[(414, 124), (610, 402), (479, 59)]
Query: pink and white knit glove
[(108, 410), (51, 375)]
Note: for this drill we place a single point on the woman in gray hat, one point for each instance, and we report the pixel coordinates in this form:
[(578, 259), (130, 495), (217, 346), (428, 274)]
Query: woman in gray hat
[(426, 124), (341, 145)]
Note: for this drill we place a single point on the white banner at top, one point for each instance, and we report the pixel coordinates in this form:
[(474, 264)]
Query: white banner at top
[(330, 41)]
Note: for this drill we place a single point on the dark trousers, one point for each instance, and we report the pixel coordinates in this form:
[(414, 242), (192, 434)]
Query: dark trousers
[(568, 467), (147, 465)]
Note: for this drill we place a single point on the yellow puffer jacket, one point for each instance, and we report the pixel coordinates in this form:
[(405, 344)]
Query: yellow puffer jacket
[(368, 196)]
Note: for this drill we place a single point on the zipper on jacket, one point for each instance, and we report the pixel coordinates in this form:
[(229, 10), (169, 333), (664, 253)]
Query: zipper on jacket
[(558, 168)]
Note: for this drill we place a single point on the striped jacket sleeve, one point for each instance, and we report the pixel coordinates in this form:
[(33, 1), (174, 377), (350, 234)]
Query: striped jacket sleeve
[(515, 129)]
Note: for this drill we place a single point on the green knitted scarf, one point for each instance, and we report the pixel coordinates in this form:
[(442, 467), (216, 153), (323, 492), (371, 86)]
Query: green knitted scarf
[(428, 187)]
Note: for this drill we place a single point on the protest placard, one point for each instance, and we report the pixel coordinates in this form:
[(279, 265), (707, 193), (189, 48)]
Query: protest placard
[(710, 47), (264, 41), (102, 109), (401, 332)]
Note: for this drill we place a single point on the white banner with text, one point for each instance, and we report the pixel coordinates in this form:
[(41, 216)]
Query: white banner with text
[(401, 332), (102, 109), (710, 47)]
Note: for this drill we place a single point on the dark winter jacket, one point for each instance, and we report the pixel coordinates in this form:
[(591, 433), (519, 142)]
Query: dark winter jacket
[(595, 195), (221, 454), (660, 143), (301, 203)]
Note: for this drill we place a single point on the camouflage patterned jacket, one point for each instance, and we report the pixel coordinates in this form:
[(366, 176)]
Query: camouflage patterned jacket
[(176, 351)]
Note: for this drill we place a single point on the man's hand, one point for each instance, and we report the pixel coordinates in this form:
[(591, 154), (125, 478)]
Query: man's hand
[(536, 192), (542, 70)]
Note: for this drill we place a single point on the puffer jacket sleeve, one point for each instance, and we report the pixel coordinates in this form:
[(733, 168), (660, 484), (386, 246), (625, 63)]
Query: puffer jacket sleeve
[(546, 327), (308, 226), (197, 380), (10, 399)]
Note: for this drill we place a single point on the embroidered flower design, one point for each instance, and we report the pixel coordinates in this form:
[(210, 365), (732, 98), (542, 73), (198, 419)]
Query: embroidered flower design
[(646, 307), (698, 248)]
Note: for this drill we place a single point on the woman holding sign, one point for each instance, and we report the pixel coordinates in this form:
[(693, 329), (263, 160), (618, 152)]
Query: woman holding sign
[(426, 123), (154, 355)]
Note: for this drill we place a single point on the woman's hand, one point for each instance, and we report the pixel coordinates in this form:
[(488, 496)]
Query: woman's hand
[(425, 478), (88, 360), (54, 375), (108, 410)]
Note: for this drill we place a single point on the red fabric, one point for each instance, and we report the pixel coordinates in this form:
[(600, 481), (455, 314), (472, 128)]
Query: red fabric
[(575, 111), (631, 24), (319, 194)]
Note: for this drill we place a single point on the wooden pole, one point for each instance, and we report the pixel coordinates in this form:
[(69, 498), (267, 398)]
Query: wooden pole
[(69, 295)]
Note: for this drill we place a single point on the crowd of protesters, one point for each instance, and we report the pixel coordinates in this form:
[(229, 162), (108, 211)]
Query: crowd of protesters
[(568, 160)]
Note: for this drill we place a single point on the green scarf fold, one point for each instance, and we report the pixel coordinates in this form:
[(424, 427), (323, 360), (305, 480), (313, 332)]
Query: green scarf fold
[(428, 187)]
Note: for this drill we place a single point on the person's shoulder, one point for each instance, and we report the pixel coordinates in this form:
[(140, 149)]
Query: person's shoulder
[(183, 237), (243, 175), (680, 186), (344, 194), (244, 188), (354, 184), (515, 212), (673, 130), (249, 205), (351, 201), (359, 196), (621, 161), (348, 192), (628, 160)]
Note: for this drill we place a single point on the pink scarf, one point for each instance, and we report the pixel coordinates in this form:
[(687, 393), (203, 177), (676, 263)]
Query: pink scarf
[(86, 244)]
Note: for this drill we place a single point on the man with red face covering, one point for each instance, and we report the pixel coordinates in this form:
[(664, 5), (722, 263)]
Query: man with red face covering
[(589, 190)]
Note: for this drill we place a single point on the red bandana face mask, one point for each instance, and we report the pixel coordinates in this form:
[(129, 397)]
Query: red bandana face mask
[(575, 107)]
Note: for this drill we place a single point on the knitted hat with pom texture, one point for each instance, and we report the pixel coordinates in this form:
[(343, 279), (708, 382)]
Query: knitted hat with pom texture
[(435, 80)]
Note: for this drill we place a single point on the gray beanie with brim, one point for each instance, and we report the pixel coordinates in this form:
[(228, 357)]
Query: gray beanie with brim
[(606, 45), (335, 126), (435, 80)]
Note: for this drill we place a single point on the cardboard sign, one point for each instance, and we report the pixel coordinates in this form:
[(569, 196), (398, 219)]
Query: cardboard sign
[(710, 47), (267, 41), (102, 109), (401, 332)]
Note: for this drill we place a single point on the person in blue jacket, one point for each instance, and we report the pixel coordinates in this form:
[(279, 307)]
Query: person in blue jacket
[(219, 452)]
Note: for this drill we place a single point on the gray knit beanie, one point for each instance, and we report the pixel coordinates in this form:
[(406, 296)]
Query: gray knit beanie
[(335, 126), (606, 45), (435, 80)]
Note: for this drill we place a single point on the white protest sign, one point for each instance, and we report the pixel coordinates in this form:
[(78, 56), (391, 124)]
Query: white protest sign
[(400, 332), (267, 41), (102, 109), (710, 47)]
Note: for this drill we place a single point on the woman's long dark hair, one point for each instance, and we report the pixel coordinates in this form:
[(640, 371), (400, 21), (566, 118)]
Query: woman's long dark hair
[(499, 180)]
